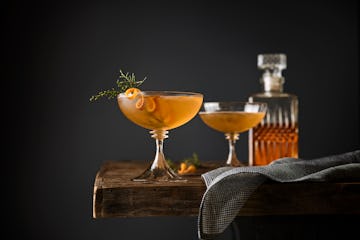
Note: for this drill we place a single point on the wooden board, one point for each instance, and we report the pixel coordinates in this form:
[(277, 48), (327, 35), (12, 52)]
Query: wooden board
[(115, 195)]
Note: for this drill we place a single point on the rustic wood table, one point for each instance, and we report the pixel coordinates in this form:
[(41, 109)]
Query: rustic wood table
[(115, 195)]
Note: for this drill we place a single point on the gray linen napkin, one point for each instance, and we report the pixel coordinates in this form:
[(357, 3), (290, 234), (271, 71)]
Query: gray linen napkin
[(228, 188)]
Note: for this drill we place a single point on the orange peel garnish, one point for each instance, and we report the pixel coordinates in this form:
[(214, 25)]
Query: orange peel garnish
[(150, 104), (140, 102), (131, 93)]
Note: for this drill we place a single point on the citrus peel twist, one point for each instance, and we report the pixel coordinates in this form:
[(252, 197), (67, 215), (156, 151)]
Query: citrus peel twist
[(148, 103), (131, 93)]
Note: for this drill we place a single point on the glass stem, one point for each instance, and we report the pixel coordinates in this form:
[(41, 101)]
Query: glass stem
[(232, 158), (159, 161), (159, 169)]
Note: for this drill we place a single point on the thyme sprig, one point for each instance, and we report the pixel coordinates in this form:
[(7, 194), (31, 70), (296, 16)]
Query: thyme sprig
[(123, 82), (193, 160)]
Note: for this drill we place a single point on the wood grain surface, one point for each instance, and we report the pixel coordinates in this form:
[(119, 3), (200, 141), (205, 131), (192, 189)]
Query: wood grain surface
[(115, 195)]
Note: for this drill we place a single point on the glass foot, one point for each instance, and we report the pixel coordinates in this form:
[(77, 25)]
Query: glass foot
[(234, 163), (159, 175)]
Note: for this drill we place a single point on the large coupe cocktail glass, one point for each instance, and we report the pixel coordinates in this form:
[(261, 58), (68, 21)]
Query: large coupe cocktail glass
[(232, 118), (159, 111)]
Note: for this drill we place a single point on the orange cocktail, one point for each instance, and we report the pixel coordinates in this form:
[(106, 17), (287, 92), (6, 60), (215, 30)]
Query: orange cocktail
[(232, 122), (232, 118), (159, 111), (155, 111)]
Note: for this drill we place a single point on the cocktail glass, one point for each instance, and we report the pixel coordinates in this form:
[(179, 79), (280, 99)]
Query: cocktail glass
[(232, 118), (159, 111)]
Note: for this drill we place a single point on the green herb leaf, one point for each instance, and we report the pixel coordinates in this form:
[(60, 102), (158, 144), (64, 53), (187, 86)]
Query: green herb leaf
[(193, 160), (123, 82), (171, 164)]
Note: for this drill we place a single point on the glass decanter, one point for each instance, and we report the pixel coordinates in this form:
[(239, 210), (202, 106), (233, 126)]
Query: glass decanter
[(277, 134)]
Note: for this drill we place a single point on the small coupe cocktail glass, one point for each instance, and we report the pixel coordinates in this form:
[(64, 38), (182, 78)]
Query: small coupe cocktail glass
[(232, 118), (159, 111)]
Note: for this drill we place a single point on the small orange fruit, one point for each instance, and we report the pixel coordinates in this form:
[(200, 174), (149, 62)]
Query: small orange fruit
[(190, 169), (186, 169), (182, 168)]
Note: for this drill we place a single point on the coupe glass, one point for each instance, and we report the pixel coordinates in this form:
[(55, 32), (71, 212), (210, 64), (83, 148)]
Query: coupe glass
[(232, 118), (159, 111)]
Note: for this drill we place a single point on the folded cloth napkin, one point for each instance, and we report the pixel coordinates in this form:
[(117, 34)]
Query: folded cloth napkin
[(228, 188)]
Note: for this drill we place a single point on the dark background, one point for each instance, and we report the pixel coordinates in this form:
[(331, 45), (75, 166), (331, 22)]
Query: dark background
[(59, 54)]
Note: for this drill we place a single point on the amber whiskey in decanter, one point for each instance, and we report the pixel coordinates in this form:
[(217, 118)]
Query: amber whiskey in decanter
[(277, 135)]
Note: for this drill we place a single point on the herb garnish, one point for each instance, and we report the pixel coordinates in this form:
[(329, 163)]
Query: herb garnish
[(123, 82), (193, 160)]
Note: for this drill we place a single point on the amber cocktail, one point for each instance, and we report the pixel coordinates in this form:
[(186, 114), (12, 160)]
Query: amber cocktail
[(159, 111), (232, 118)]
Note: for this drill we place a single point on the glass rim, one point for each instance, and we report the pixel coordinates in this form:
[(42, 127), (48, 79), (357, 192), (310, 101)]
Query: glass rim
[(237, 106), (166, 93), (235, 102)]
